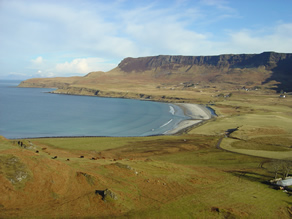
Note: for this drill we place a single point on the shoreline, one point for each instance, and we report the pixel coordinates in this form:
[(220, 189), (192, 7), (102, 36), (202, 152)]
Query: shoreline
[(197, 113)]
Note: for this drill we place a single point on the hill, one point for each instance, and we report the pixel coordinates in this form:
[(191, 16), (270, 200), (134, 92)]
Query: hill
[(154, 74), (153, 177)]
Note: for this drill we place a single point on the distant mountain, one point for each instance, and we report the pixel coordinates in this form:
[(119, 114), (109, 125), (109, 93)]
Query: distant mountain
[(228, 71)]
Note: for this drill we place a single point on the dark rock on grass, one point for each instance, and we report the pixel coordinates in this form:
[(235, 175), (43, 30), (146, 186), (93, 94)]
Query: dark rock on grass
[(123, 166), (107, 195)]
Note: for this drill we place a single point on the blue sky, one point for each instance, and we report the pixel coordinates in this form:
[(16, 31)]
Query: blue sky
[(50, 38)]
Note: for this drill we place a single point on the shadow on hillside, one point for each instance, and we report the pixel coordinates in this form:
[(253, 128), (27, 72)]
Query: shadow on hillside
[(282, 73), (251, 176), (261, 178)]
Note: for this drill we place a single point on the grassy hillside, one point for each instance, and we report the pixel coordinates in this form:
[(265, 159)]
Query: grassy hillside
[(154, 177)]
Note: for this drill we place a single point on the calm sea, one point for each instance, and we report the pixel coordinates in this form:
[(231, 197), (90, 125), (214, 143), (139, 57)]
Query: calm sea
[(33, 112)]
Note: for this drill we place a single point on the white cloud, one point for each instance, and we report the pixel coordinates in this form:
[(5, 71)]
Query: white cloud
[(41, 74), (278, 39), (163, 31), (144, 29), (37, 61), (84, 65)]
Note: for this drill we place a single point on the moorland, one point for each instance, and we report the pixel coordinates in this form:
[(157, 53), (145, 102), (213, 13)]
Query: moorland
[(219, 169)]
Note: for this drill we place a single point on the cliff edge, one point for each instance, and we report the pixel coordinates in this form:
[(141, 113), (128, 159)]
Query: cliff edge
[(268, 59)]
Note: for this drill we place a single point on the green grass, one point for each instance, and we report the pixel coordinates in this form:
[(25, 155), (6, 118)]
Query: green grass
[(235, 188), (245, 122), (263, 144), (89, 143), (108, 143), (228, 143), (251, 199), (212, 158), (5, 144)]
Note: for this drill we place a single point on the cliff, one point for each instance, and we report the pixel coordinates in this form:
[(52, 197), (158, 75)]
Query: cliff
[(268, 59), (244, 69)]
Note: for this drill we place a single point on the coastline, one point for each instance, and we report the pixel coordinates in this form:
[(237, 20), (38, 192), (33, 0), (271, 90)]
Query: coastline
[(197, 113)]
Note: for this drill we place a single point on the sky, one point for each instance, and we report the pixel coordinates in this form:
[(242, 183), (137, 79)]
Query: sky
[(50, 38)]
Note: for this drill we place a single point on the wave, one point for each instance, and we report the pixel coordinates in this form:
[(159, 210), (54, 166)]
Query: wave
[(166, 123), (171, 110)]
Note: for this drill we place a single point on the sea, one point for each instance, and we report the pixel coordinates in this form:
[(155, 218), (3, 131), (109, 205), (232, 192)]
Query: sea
[(35, 113)]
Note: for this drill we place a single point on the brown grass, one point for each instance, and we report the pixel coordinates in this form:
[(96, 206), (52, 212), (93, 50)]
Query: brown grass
[(152, 177)]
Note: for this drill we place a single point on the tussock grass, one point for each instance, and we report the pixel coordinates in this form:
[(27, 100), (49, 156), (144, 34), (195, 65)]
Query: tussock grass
[(14, 170)]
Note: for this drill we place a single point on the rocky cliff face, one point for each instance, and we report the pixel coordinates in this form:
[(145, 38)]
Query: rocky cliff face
[(268, 59), (247, 68)]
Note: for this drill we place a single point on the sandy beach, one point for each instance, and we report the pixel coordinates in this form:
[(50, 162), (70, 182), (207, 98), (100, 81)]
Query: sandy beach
[(197, 113)]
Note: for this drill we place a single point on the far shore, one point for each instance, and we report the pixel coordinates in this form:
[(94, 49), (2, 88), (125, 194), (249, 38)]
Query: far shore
[(197, 113)]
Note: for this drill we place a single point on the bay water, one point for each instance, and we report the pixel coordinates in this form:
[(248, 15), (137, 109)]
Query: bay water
[(34, 112)]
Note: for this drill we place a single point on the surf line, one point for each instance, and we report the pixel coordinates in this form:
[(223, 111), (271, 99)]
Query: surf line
[(166, 123), (171, 110)]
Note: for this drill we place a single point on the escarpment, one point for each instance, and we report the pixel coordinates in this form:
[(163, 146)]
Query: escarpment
[(267, 59)]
